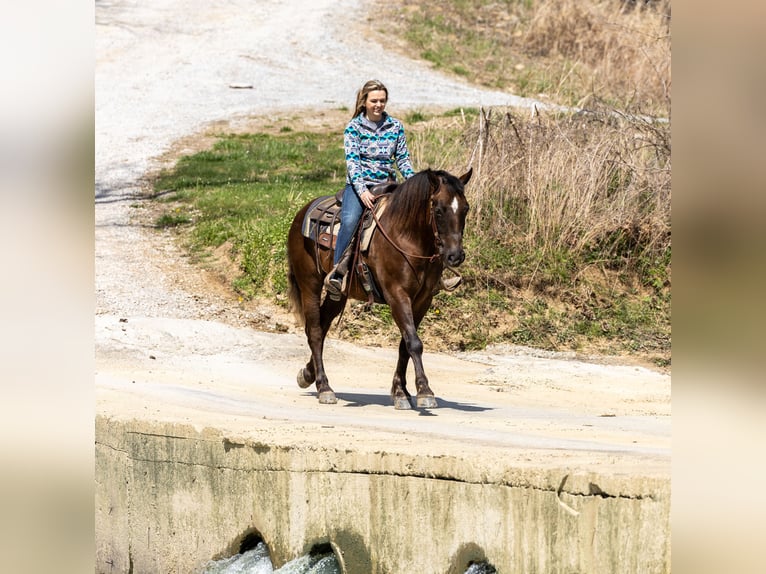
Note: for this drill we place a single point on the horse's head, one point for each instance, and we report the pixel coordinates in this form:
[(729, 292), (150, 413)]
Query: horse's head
[(449, 208)]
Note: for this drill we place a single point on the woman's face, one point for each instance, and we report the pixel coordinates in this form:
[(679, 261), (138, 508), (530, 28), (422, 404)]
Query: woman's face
[(375, 104)]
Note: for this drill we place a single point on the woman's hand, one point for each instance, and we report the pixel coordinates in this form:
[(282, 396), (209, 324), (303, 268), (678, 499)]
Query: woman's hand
[(367, 199)]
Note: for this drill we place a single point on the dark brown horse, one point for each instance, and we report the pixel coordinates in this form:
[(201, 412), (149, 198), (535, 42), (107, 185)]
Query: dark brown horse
[(419, 232)]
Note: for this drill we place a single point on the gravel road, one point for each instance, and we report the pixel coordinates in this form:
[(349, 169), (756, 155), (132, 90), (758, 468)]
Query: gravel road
[(172, 344)]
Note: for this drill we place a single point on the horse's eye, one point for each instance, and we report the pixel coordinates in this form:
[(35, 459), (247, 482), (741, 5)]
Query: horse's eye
[(439, 212)]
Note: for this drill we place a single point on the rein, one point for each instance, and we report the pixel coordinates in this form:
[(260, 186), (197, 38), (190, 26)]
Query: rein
[(430, 258)]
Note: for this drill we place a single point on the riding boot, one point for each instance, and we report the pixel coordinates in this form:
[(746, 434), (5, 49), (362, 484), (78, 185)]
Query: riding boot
[(335, 280)]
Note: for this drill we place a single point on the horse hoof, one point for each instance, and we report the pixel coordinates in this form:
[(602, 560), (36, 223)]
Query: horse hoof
[(402, 404), (427, 403), (327, 398), (303, 380)]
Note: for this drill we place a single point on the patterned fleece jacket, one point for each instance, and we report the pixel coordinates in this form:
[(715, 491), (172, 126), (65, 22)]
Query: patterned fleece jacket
[(372, 151)]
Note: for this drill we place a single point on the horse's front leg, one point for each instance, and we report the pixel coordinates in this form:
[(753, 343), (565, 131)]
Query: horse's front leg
[(399, 393), (410, 347)]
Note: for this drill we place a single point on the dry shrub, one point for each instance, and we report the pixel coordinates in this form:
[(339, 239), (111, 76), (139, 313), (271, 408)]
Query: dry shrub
[(594, 186), (622, 48)]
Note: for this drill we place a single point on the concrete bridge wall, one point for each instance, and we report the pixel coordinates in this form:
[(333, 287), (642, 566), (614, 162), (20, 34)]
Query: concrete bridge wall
[(170, 497)]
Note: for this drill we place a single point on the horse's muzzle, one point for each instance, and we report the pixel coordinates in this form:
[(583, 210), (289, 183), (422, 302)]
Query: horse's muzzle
[(454, 257)]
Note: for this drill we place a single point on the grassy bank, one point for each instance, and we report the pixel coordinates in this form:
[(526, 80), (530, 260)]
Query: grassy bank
[(566, 251), (568, 238)]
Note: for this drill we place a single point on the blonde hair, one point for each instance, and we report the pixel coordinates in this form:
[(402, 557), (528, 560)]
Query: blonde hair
[(361, 95)]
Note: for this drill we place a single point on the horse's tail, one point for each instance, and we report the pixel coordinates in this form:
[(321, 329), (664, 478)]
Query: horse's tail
[(294, 294)]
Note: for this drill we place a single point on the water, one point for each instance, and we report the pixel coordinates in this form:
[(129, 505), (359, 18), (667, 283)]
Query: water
[(481, 568), (258, 561)]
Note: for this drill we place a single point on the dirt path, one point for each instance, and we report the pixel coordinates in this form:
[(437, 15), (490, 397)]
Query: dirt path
[(172, 344)]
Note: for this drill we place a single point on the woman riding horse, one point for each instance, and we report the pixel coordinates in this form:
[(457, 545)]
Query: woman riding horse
[(419, 233), (373, 142)]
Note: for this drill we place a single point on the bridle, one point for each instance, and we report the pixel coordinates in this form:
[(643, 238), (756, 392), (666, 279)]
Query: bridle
[(437, 238)]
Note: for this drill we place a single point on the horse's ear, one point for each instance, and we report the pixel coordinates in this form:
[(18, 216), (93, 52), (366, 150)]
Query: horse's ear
[(466, 176), (433, 179)]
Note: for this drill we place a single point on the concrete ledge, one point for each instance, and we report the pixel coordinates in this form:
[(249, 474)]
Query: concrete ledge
[(170, 497)]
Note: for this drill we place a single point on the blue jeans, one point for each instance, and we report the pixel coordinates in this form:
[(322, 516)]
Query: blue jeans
[(350, 212)]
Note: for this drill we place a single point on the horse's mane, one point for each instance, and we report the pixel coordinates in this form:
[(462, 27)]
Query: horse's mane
[(409, 203)]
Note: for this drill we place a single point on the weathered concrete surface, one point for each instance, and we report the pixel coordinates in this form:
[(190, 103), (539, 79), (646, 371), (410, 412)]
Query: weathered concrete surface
[(170, 497), (536, 464)]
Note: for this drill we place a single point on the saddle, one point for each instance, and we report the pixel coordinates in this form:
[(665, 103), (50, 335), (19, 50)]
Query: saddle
[(322, 220)]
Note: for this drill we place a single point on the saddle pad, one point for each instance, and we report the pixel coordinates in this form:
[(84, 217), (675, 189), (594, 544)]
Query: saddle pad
[(322, 213), (369, 225)]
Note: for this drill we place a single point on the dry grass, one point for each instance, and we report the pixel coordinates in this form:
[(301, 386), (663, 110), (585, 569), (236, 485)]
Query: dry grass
[(565, 50), (622, 52), (569, 233), (583, 183)]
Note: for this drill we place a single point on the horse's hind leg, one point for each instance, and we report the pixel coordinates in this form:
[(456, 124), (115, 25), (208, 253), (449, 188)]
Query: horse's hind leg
[(307, 375), (318, 321), (309, 305)]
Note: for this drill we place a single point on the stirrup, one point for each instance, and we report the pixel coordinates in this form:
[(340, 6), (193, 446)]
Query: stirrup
[(333, 285), (449, 284)]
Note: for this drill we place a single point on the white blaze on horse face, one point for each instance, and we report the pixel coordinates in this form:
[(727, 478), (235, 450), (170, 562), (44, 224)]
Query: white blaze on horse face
[(454, 204)]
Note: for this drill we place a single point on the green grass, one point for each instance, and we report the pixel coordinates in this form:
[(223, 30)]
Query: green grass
[(173, 219), (243, 193), (258, 158)]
